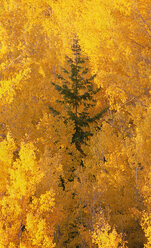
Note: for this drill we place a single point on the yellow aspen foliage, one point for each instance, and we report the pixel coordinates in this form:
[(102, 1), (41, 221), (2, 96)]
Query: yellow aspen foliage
[(8, 87), (143, 143), (105, 236), (38, 223), (116, 96), (114, 176), (30, 56), (24, 217), (49, 193), (7, 147), (147, 228)]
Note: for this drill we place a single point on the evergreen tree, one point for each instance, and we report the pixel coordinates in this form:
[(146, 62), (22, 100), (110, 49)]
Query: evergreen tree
[(78, 95)]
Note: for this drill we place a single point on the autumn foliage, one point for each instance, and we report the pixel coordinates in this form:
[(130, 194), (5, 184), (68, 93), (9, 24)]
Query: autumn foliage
[(75, 124)]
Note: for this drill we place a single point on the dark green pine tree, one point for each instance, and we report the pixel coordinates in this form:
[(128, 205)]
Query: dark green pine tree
[(78, 95)]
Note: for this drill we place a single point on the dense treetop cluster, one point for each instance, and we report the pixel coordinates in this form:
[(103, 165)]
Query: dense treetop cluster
[(75, 124)]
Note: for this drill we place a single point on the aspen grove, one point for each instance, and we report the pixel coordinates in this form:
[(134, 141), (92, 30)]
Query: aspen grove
[(75, 124)]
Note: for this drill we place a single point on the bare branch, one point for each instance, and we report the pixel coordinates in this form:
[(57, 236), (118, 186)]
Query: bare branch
[(10, 64)]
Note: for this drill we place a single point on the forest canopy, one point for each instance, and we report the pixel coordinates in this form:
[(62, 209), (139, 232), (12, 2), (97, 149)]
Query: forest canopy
[(75, 124)]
